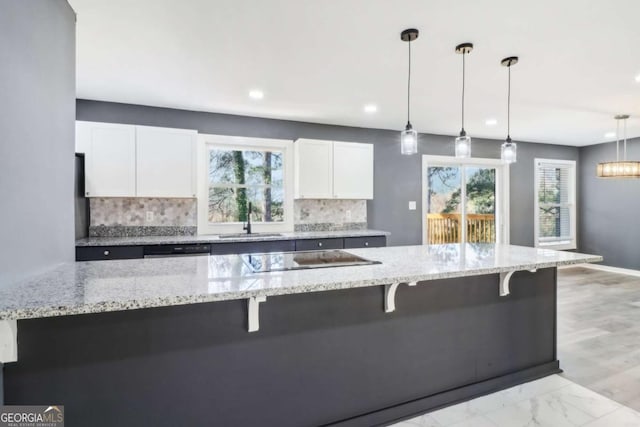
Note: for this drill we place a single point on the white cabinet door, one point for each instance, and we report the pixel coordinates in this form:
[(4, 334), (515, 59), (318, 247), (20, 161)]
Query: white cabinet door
[(165, 162), (313, 169), (110, 158), (352, 170)]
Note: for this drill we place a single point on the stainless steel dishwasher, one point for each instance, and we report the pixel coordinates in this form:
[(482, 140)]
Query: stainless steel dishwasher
[(163, 251)]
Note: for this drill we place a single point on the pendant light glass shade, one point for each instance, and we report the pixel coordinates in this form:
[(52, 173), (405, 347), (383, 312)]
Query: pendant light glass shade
[(509, 149), (409, 137), (462, 143), (463, 146), (620, 168), (409, 140)]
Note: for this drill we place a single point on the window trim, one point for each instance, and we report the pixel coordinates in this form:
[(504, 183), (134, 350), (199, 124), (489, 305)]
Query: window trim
[(243, 143), (572, 242)]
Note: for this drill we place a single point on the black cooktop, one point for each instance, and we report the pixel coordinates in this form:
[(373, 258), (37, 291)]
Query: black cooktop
[(282, 261)]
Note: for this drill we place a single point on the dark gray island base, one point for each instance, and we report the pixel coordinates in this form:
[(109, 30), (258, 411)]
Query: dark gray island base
[(319, 358)]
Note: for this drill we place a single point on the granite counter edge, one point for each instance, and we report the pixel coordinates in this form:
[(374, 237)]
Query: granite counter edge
[(110, 306)]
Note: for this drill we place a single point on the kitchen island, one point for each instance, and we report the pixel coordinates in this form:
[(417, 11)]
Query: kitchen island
[(205, 341)]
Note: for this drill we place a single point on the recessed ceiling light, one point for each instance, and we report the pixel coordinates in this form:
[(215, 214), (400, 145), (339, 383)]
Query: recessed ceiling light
[(256, 94), (609, 134), (491, 122), (370, 108), (638, 78)]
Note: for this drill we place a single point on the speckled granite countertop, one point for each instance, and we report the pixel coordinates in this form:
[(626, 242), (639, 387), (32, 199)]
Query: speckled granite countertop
[(206, 238), (102, 286)]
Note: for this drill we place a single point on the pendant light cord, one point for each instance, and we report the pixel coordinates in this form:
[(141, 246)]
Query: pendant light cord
[(625, 140), (409, 87), (463, 74), (509, 105), (617, 140)]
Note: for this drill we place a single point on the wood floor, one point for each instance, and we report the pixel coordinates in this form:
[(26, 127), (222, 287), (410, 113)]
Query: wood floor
[(599, 332)]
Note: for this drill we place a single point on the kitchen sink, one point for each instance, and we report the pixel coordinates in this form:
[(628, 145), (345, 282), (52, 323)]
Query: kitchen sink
[(282, 261), (249, 236)]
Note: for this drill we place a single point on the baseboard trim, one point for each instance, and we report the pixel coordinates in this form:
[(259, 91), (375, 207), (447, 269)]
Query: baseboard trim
[(420, 406), (607, 268)]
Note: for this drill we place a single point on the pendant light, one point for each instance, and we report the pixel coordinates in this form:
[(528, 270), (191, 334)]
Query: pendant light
[(624, 168), (409, 137), (508, 150), (463, 142)]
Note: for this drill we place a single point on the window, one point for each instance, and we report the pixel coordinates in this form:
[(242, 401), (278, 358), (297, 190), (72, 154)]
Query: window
[(555, 203), (240, 177), (237, 172), (465, 200)]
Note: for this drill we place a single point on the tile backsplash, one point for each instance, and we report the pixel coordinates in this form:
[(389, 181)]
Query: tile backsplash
[(329, 214), (116, 217)]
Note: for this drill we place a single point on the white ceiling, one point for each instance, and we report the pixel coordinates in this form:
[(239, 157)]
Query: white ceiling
[(321, 61)]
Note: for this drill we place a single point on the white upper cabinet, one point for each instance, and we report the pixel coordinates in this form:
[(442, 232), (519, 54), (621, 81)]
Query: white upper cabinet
[(110, 158), (137, 161), (352, 170), (314, 169), (165, 165), (333, 170)]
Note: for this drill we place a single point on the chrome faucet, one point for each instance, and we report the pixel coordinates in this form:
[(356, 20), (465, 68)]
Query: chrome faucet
[(247, 227)]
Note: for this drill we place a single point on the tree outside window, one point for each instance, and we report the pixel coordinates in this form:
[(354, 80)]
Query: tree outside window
[(237, 177)]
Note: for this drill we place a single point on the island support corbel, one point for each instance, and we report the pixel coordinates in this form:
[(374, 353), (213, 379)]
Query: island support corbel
[(253, 308), (8, 341), (505, 277), (390, 296)]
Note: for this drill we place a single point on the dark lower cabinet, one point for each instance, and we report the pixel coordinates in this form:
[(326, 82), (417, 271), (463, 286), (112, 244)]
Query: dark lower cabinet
[(97, 253), (253, 247), (365, 242), (319, 244)]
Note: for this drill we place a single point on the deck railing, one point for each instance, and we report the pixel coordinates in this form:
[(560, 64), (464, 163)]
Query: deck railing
[(445, 228)]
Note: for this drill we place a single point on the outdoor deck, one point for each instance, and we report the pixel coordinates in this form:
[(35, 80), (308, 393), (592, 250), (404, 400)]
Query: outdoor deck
[(446, 228)]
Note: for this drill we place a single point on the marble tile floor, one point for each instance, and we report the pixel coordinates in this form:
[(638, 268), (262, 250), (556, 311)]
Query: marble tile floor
[(599, 351), (552, 401)]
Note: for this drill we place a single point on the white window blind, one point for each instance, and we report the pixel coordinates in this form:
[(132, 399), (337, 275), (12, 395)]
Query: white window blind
[(555, 203)]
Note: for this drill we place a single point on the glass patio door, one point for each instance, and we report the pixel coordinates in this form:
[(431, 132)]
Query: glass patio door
[(463, 201)]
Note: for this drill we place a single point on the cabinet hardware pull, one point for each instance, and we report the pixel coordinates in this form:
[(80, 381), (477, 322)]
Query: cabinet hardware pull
[(106, 252)]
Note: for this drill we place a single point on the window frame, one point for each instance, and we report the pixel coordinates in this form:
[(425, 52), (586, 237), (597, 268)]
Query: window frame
[(206, 141), (567, 244)]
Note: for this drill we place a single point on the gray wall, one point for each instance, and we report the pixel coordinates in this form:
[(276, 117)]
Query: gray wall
[(397, 177), (398, 180), (609, 208), (37, 111)]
